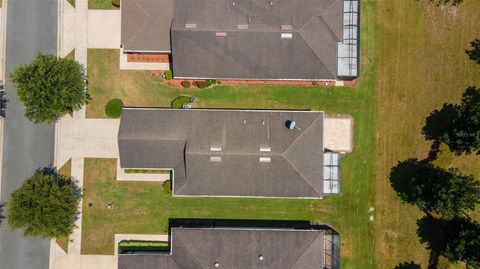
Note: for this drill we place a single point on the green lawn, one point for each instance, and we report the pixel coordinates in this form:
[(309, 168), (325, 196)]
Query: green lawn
[(348, 213), (100, 4), (421, 65)]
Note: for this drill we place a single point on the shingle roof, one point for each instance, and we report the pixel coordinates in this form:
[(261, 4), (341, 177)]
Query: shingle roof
[(146, 25), (183, 140), (235, 249), (258, 52)]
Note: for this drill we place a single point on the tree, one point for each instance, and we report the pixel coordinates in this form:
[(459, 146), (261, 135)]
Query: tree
[(457, 239), (45, 205), (457, 125), (474, 52), (50, 87), (462, 134), (435, 190)]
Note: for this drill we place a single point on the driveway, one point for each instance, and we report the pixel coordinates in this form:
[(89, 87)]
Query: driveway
[(31, 27)]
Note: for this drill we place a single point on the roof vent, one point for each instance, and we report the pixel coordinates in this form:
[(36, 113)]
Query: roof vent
[(215, 159), (191, 25), (286, 35), (291, 124), (216, 264), (242, 26), (286, 27), (265, 159), (215, 148), (260, 257), (265, 149), (220, 34), (233, 3)]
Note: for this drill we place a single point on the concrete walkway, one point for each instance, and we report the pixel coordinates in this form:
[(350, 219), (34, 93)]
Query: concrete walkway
[(104, 29), (82, 138)]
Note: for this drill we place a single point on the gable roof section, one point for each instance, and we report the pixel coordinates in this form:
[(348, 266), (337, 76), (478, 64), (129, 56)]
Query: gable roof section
[(258, 52), (146, 25), (183, 139), (235, 248)]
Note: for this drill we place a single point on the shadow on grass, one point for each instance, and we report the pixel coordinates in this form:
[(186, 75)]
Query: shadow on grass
[(438, 120), (407, 265)]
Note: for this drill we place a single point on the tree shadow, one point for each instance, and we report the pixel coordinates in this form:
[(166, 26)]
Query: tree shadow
[(474, 52), (437, 122), (401, 177), (407, 265), (2, 216)]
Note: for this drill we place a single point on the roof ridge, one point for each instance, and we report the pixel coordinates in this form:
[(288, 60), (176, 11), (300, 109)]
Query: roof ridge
[(304, 250), (189, 252), (288, 160), (149, 21), (304, 178), (329, 29), (328, 8), (232, 153)]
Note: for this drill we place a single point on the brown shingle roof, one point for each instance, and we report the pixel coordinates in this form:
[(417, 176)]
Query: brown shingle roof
[(182, 140)]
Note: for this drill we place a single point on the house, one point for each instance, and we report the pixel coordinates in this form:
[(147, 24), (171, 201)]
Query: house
[(234, 153), (265, 248), (313, 40)]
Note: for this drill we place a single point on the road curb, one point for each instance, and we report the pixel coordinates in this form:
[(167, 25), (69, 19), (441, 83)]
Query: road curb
[(3, 30)]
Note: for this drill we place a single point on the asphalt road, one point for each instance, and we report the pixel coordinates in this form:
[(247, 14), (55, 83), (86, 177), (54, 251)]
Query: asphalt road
[(31, 28)]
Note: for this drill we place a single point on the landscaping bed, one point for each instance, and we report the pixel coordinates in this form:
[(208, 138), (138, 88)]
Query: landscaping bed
[(132, 246)]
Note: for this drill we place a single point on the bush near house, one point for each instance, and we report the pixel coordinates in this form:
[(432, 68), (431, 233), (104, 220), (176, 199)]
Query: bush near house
[(185, 83), (168, 75), (200, 84), (116, 3), (127, 246), (167, 186), (211, 82)]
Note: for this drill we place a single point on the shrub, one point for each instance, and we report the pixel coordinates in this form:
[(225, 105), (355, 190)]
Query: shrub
[(185, 84), (211, 82), (113, 108), (167, 186), (168, 75), (128, 246), (180, 101), (116, 3), (200, 84)]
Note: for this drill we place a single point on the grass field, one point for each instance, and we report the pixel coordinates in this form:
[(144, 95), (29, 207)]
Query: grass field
[(421, 64), (347, 213)]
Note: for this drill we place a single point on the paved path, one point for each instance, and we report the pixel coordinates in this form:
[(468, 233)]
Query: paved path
[(83, 138), (31, 27)]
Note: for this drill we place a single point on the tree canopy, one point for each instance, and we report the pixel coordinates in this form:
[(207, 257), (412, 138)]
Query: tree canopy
[(457, 239), (457, 125), (45, 205), (462, 135), (435, 190), (474, 52), (50, 87)]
